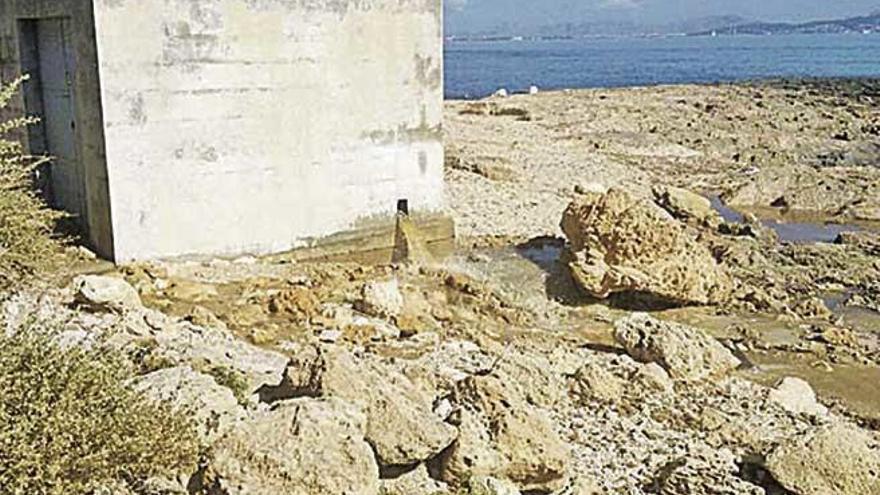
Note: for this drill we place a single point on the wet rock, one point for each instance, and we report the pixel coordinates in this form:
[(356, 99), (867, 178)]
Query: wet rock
[(838, 459), (300, 447), (797, 397), (503, 436), (621, 244), (409, 243), (686, 206), (687, 353), (214, 408), (381, 299), (105, 293), (401, 425), (416, 482)]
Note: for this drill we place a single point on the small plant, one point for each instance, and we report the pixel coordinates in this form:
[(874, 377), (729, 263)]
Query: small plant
[(70, 424), (232, 380), (27, 245)]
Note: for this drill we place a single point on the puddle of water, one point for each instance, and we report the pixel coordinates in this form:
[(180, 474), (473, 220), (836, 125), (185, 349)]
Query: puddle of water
[(794, 232), (862, 319), (855, 385)]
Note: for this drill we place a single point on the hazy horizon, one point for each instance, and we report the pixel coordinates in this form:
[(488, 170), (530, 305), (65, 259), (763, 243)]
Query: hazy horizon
[(469, 16)]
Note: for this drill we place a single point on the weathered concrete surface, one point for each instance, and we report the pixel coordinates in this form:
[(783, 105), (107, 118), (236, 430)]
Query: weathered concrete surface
[(253, 126), (248, 126)]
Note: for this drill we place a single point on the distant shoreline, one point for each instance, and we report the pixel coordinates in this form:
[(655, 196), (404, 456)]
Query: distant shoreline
[(865, 85), (514, 39)]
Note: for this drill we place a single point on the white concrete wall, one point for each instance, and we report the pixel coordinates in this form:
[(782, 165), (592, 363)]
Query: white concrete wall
[(252, 126)]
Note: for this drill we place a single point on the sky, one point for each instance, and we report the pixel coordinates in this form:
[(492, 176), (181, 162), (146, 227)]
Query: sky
[(474, 15)]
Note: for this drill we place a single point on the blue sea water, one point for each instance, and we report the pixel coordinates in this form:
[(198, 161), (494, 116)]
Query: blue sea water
[(475, 69)]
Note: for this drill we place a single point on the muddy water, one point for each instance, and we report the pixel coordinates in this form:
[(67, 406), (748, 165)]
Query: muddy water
[(533, 276), (853, 385), (796, 228)]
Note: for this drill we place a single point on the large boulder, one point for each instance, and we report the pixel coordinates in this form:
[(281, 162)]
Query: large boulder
[(686, 353), (401, 424), (838, 459), (300, 447), (214, 408), (505, 437), (622, 244)]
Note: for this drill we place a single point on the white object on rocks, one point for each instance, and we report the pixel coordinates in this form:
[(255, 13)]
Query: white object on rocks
[(797, 397), (330, 336), (381, 298), (501, 93), (105, 293), (533, 90)]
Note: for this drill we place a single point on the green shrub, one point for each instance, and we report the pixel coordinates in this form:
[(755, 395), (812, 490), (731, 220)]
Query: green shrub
[(69, 422), (27, 246)]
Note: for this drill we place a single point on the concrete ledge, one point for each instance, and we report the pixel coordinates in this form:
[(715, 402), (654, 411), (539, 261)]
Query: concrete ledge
[(375, 242)]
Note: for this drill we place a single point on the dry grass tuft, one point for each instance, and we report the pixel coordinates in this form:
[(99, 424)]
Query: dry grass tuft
[(70, 424), (28, 247)]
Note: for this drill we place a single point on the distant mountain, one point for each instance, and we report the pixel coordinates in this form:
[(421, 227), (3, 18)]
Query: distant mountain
[(606, 28), (704, 24), (862, 24)]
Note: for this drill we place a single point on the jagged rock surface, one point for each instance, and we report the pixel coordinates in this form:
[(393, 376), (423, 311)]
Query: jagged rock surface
[(622, 244), (300, 447), (687, 353)]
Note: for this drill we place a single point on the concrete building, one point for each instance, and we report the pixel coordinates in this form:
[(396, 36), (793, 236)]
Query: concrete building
[(222, 127)]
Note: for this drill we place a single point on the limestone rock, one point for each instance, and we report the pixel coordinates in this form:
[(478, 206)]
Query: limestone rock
[(415, 482), (652, 376), (838, 459), (487, 485), (105, 293), (215, 349), (620, 244), (503, 436), (381, 298), (214, 408), (300, 447), (686, 206), (594, 383), (687, 353), (797, 397), (401, 424)]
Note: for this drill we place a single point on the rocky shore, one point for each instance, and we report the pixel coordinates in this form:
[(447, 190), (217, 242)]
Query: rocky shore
[(603, 328)]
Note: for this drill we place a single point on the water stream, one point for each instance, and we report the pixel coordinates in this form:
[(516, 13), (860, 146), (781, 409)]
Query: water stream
[(794, 232)]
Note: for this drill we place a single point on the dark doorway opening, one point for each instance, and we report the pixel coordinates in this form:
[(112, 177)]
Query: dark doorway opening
[(48, 57)]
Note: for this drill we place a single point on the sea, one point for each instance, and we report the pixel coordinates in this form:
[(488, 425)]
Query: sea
[(475, 69)]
